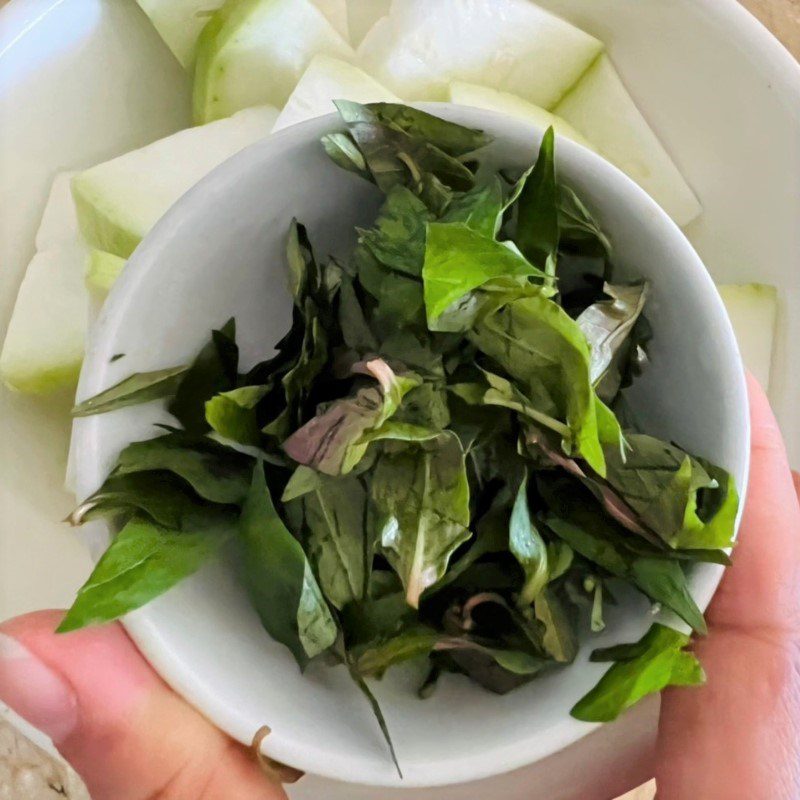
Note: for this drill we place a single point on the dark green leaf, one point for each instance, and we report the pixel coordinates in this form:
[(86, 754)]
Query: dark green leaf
[(664, 485), (537, 208), (279, 578), (455, 140), (339, 543), (660, 661), (480, 208), (215, 472), (398, 238), (143, 561), (421, 495), (496, 669), (164, 501), (213, 371), (539, 345), (139, 388), (374, 660)]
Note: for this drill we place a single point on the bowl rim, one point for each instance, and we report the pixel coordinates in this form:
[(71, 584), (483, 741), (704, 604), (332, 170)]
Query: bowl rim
[(143, 625)]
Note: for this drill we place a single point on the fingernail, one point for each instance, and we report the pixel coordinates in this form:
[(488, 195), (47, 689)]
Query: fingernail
[(35, 692)]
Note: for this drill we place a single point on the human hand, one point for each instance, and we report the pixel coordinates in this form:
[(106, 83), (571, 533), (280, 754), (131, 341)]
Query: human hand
[(119, 725), (738, 737)]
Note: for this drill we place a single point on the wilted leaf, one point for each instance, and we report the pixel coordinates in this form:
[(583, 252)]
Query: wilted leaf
[(139, 388)]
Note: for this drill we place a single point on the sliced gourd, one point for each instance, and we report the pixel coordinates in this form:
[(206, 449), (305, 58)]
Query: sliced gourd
[(362, 16), (601, 108), (59, 223), (753, 309), (328, 79), (43, 349), (102, 271), (469, 94), (336, 13), (180, 22), (254, 51), (119, 201), (511, 45)]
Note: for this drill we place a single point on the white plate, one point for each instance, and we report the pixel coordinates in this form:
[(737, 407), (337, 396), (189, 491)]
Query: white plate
[(81, 80)]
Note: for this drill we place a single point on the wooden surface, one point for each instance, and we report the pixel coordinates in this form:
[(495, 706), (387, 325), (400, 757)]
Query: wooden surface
[(782, 17), (32, 772)]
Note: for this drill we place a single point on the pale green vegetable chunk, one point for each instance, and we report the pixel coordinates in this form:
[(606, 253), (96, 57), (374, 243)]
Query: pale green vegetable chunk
[(470, 94), (180, 22), (253, 52), (601, 109), (511, 45), (328, 79), (753, 309), (43, 349), (59, 223), (362, 15), (119, 201), (103, 270)]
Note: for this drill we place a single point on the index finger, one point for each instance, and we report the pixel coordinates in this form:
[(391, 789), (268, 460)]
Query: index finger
[(762, 588)]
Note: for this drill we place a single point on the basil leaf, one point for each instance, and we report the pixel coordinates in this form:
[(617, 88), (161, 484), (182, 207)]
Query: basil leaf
[(662, 580), (338, 541), (458, 260), (397, 155), (559, 640), (657, 662), (139, 388), (214, 370), (215, 472), (455, 140), (142, 562), (607, 326), (279, 578), (539, 345), (537, 207), (667, 489), (421, 496), (344, 152), (398, 237), (336, 440), (374, 660), (496, 669), (146, 493), (233, 414), (526, 544), (480, 208)]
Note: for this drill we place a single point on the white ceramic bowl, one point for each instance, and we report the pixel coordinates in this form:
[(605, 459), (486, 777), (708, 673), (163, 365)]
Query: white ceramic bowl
[(219, 253)]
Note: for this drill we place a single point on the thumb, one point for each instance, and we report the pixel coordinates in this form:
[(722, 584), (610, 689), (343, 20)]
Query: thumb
[(119, 725)]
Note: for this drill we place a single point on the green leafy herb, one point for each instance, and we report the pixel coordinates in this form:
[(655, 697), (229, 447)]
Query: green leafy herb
[(655, 663), (528, 547), (280, 580), (421, 494), (140, 388), (143, 561), (458, 260), (430, 465)]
